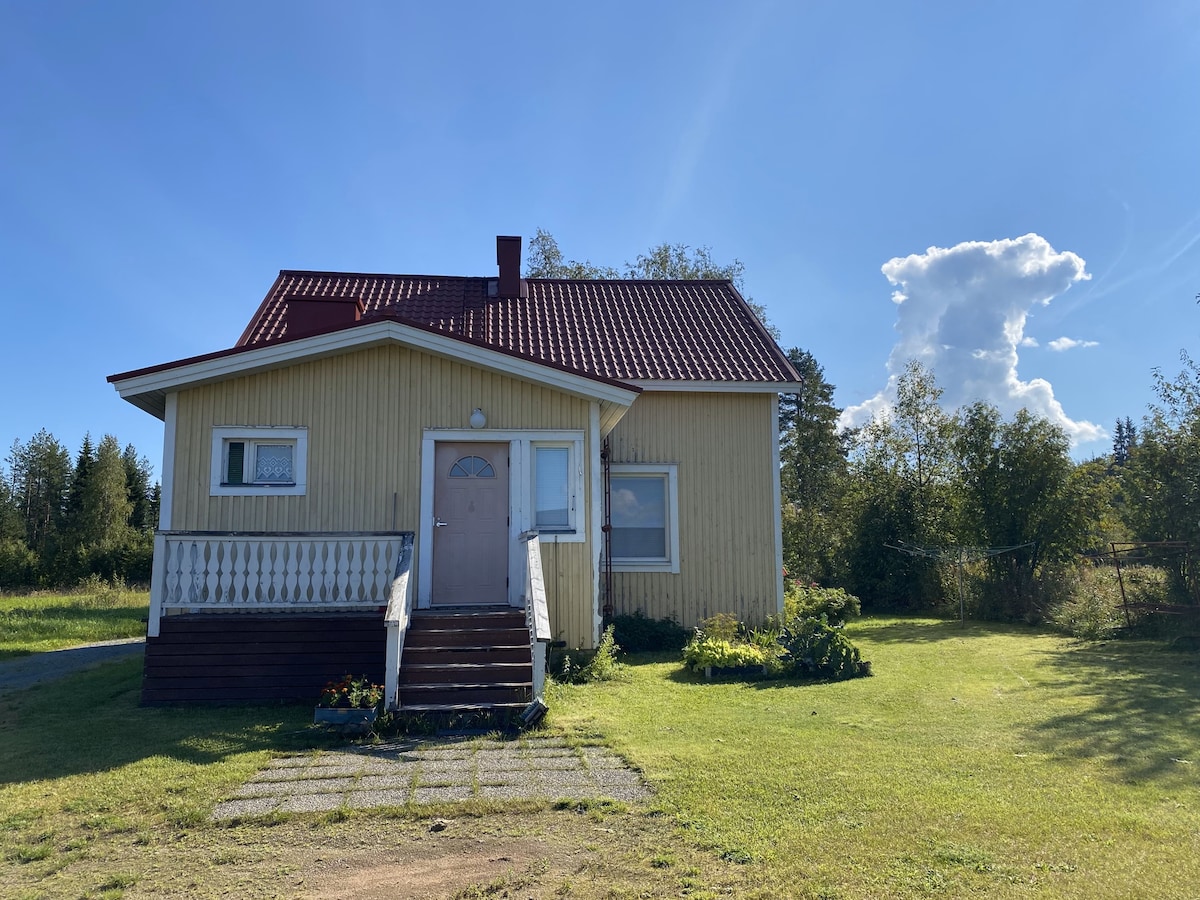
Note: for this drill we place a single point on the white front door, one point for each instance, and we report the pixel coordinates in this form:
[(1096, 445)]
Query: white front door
[(470, 519)]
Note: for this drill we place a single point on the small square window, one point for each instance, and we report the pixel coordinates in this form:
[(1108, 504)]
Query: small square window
[(254, 460)]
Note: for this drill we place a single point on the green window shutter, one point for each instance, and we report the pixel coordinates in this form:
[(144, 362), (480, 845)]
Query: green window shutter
[(236, 459)]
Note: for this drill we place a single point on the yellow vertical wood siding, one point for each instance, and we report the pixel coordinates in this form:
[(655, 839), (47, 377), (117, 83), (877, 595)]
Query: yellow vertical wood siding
[(365, 412), (722, 444)]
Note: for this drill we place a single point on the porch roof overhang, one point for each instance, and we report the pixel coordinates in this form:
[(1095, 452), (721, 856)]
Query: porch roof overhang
[(147, 388)]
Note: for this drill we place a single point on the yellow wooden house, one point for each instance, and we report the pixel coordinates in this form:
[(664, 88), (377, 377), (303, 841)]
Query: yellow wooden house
[(427, 479)]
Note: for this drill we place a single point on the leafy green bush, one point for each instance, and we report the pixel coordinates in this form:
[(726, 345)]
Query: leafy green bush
[(96, 592), (812, 601), (637, 633), (813, 648), (802, 647), (1093, 609), (703, 651), (722, 626), (18, 565), (603, 665)]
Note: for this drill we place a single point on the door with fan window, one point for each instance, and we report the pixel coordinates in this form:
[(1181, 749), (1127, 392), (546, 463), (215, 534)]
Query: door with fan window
[(470, 524)]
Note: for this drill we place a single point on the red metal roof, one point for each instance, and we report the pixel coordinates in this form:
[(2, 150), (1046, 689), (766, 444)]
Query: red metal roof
[(621, 329)]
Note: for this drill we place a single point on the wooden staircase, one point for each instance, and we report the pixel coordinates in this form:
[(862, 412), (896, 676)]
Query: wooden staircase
[(465, 660)]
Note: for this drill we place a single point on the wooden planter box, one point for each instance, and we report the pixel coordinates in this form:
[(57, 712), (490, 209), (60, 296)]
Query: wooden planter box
[(350, 721)]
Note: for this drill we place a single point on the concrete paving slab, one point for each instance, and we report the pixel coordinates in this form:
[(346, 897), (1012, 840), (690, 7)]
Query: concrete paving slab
[(559, 763), (311, 803), (400, 780), (232, 809), (441, 794), (403, 772), (445, 779), (368, 799)]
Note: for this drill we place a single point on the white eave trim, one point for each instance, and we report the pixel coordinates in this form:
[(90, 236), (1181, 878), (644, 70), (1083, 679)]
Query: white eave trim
[(274, 356), (721, 387)]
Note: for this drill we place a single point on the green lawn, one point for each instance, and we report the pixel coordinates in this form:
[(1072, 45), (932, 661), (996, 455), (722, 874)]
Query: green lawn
[(31, 623), (984, 760), (978, 762)]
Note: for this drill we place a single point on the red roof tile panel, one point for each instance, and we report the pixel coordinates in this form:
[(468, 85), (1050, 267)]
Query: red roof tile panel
[(620, 329)]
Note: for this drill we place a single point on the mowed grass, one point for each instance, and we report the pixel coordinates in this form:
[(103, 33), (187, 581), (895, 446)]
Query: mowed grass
[(32, 623), (979, 761)]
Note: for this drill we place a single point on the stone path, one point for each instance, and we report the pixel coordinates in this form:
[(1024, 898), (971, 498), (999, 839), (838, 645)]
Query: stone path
[(407, 772)]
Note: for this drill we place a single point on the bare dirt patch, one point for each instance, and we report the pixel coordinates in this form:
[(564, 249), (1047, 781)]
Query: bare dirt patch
[(426, 868)]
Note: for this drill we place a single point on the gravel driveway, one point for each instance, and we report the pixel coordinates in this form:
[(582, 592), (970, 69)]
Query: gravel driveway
[(25, 671)]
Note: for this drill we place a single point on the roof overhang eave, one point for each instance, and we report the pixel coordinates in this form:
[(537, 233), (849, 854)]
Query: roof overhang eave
[(147, 388), (720, 387)]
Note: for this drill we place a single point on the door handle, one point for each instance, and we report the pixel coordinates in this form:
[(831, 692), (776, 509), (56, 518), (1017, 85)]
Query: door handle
[(438, 523)]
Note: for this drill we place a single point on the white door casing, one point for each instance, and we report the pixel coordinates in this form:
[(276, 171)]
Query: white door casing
[(471, 523)]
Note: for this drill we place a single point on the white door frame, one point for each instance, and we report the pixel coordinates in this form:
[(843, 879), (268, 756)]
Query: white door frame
[(519, 499)]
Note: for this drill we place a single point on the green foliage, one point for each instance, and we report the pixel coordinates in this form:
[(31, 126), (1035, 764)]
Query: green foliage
[(812, 473), (93, 517), (901, 489), (1162, 486), (722, 626), (1019, 486), (1093, 609), (803, 647), (602, 666), (816, 649), (811, 601), (18, 565), (637, 633), (100, 593), (351, 693), (704, 651)]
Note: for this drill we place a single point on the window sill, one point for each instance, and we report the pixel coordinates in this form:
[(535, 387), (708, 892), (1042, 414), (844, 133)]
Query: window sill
[(560, 537), (629, 565)]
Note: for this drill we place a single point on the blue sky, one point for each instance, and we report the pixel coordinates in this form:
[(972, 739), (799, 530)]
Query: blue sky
[(160, 162)]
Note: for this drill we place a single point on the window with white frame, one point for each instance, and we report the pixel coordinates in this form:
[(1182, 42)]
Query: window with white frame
[(644, 510), (256, 460), (557, 484)]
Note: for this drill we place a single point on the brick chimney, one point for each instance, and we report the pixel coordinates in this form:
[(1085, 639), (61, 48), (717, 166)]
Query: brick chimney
[(508, 258), (314, 315)]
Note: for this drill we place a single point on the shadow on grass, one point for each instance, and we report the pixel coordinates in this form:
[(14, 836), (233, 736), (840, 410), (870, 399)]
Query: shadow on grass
[(1140, 708), (91, 722), (885, 629)]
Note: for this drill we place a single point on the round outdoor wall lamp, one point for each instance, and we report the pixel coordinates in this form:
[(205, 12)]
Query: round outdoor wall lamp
[(478, 419)]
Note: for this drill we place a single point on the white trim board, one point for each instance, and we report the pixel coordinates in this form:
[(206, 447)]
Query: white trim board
[(720, 387), (146, 390)]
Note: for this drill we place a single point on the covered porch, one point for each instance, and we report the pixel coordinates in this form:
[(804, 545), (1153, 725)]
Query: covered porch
[(252, 617)]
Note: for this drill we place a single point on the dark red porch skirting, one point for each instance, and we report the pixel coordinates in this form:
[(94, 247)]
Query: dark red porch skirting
[(260, 657)]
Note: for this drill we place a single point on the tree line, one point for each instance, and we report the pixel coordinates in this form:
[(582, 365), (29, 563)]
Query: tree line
[(64, 517), (919, 477)]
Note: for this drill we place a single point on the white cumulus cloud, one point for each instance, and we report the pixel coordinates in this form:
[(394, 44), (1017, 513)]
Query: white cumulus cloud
[(1058, 345), (961, 312)]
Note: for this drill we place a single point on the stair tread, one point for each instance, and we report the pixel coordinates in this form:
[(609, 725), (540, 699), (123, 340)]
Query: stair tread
[(467, 685), (466, 665), (458, 707)]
